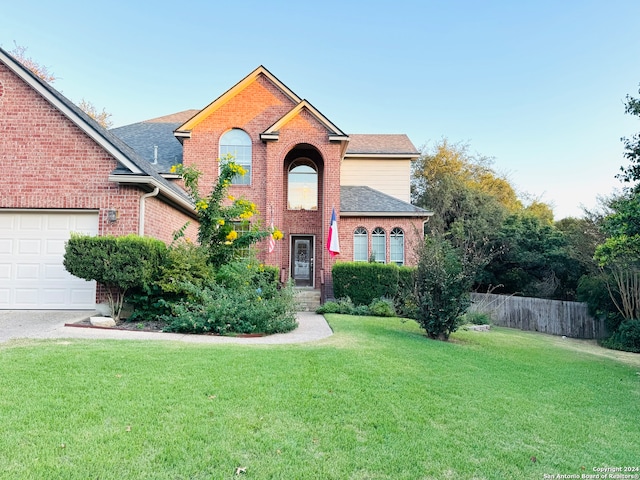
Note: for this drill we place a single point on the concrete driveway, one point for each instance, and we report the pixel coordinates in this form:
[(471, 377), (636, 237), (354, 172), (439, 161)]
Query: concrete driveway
[(17, 324)]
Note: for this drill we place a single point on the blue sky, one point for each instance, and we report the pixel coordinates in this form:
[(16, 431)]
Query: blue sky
[(539, 86)]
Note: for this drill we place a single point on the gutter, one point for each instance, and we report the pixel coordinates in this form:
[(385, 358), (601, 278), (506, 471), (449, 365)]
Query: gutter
[(185, 205), (142, 209), (344, 213)]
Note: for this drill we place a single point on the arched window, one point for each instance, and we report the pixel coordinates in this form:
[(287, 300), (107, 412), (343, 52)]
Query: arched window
[(238, 143), (396, 246), (360, 245), (379, 245), (303, 186)]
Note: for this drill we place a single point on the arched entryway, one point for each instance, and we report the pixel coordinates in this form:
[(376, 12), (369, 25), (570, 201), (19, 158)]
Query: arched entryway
[(303, 193)]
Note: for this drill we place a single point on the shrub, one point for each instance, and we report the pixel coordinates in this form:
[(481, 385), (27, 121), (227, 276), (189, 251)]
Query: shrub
[(382, 307), (442, 286), (626, 338), (364, 282), (185, 264), (379, 307), (245, 309), (118, 263), (244, 298), (475, 318), (343, 305), (404, 301)]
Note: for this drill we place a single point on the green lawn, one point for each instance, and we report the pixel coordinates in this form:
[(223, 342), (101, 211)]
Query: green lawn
[(377, 400)]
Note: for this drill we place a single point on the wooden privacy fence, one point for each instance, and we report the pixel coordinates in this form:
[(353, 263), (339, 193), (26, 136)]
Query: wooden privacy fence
[(554, 317)]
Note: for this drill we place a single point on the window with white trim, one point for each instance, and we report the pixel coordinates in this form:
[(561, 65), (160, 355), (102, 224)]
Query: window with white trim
[(360, 245), (379, 245), (396, 246), (237, 143)]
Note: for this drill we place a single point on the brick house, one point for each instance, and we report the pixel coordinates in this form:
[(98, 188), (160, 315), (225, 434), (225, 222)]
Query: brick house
[(302, 167), (65, 173)]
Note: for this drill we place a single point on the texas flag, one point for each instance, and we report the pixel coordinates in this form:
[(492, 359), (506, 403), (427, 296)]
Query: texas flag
[(333, 244)]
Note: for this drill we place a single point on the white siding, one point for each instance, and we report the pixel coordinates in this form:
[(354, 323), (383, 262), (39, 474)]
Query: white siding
[(392, 177)]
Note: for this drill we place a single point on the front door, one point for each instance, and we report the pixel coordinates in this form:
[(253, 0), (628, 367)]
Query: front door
[(302, 261)]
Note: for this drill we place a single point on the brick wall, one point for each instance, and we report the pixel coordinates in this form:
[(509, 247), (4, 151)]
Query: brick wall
[(412, 229), (162, 221)]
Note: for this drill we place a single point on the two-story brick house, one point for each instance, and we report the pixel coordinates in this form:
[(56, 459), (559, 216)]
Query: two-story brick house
[(64, 173), (301, 168)]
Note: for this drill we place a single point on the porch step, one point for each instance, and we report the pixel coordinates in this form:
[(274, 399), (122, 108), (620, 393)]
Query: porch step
[(308, 300)]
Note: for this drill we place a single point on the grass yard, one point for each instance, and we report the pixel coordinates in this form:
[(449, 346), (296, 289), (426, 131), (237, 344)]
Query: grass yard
[(377, 400)]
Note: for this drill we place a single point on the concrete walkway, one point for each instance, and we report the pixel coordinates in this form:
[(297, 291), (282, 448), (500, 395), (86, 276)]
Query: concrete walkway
[(17, 324)]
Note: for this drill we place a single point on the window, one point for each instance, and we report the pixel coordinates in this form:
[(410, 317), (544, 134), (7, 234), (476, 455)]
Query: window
[(396, 246), (237, 143), (303, 186), (360, 245), (379, 245)]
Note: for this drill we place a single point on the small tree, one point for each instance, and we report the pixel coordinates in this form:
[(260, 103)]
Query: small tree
[(620, 257), (221, 216), (443, 284), (117, 263)]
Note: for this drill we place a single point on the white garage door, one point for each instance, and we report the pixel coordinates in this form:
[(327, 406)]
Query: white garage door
[(32, 275)]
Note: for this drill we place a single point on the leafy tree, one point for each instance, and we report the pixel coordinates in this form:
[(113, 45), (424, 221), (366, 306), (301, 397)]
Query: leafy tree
[(223, 216), (631, 173), (443, 283), (620, 257), (462, 190), (533, 260)]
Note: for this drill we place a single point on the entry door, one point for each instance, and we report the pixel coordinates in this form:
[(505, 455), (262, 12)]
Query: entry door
[(302, 261)]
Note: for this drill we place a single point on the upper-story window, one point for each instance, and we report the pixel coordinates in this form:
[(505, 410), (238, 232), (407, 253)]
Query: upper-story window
[(303, 186), (396, 246), (360, 245), (379, 245), (238, 143)]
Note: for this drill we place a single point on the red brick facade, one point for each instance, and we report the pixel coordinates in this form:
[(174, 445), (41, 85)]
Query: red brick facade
[(51, 163), (254, 108)]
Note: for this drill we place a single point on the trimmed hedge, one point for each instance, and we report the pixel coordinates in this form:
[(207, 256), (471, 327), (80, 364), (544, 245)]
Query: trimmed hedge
[(363, 282), (118, 263)]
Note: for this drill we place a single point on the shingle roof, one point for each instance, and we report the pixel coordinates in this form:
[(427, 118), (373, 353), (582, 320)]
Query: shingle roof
[(365, 201), (143, 137), (380, 144)]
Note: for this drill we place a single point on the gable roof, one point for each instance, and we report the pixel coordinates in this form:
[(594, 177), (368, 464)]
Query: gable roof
[(184, 131), (362, 201), (132, 169), (335, 134)]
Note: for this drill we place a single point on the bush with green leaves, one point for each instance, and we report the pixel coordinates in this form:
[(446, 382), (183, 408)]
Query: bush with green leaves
[(363, 282), (474, 318), (626, 337), (185, 264), (404, 301), (379, 307), (443, 283), (118, 263), (246, 298), (225, 225)]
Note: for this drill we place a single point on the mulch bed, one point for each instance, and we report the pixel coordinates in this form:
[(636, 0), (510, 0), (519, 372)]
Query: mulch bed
[(150, 326)]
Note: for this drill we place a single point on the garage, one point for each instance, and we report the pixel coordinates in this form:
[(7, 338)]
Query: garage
[(32, 274)]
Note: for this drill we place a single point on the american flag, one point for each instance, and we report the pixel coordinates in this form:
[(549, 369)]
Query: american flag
[(272, 242)]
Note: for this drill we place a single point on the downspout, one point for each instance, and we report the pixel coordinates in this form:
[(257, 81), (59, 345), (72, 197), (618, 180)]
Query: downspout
[(142, 208)]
